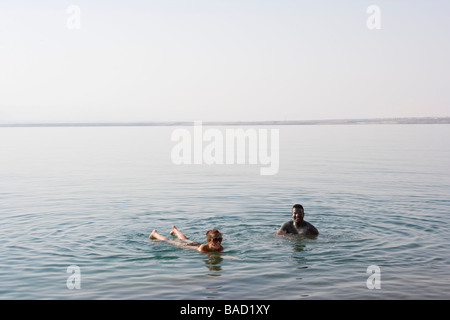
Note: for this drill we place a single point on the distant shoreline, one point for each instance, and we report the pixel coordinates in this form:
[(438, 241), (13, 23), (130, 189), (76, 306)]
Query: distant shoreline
[(421, 120)]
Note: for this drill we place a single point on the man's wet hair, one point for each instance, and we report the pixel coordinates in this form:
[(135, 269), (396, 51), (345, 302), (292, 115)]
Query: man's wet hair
[(298, 206)]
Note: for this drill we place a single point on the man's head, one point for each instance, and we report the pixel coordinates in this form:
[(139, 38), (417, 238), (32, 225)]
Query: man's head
[(214, 238), (298, 213)]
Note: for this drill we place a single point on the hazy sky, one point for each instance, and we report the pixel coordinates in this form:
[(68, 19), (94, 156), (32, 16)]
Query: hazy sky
[(185, 60)]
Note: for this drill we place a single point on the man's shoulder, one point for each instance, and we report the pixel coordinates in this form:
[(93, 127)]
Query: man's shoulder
[(313, 230), (308, 224)]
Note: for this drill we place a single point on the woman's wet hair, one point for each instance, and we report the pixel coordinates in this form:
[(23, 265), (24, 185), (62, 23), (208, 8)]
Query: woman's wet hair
[(213, 234)]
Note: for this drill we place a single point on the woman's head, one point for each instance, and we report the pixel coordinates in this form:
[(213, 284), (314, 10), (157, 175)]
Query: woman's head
[(214, 238)]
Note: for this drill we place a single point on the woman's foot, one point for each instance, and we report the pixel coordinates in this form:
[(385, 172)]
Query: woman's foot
[(174, 230), (177, 233), (153, 234)]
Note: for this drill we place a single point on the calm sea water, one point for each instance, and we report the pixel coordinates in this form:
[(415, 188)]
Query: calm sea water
[(89, 197)]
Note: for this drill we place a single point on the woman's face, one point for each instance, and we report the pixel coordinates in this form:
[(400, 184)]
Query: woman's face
[(216, 241)]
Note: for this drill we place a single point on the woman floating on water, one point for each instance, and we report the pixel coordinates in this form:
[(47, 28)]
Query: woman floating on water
[(213, 239)]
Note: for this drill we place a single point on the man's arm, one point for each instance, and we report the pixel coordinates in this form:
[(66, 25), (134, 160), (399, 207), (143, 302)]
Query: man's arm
[(283, 230), (280, 232)]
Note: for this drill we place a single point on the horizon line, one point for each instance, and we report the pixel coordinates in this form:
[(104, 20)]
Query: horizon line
[(346, 121)]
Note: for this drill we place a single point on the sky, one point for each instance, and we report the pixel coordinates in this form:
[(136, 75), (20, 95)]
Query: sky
[(223, 60)]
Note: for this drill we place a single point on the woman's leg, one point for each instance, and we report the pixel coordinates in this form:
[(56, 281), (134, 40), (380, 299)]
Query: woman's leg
[(156, 235), (178, 233), (187, 244)]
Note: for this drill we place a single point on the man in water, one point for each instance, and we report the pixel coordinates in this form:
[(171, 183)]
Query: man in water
[(298, 225)]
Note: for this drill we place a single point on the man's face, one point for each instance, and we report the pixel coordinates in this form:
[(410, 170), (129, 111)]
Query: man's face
[(297, 214)]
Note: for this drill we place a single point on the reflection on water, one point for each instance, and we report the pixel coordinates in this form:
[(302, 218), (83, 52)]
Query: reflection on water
[(298, 246), (213, 263), (216, 293)]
